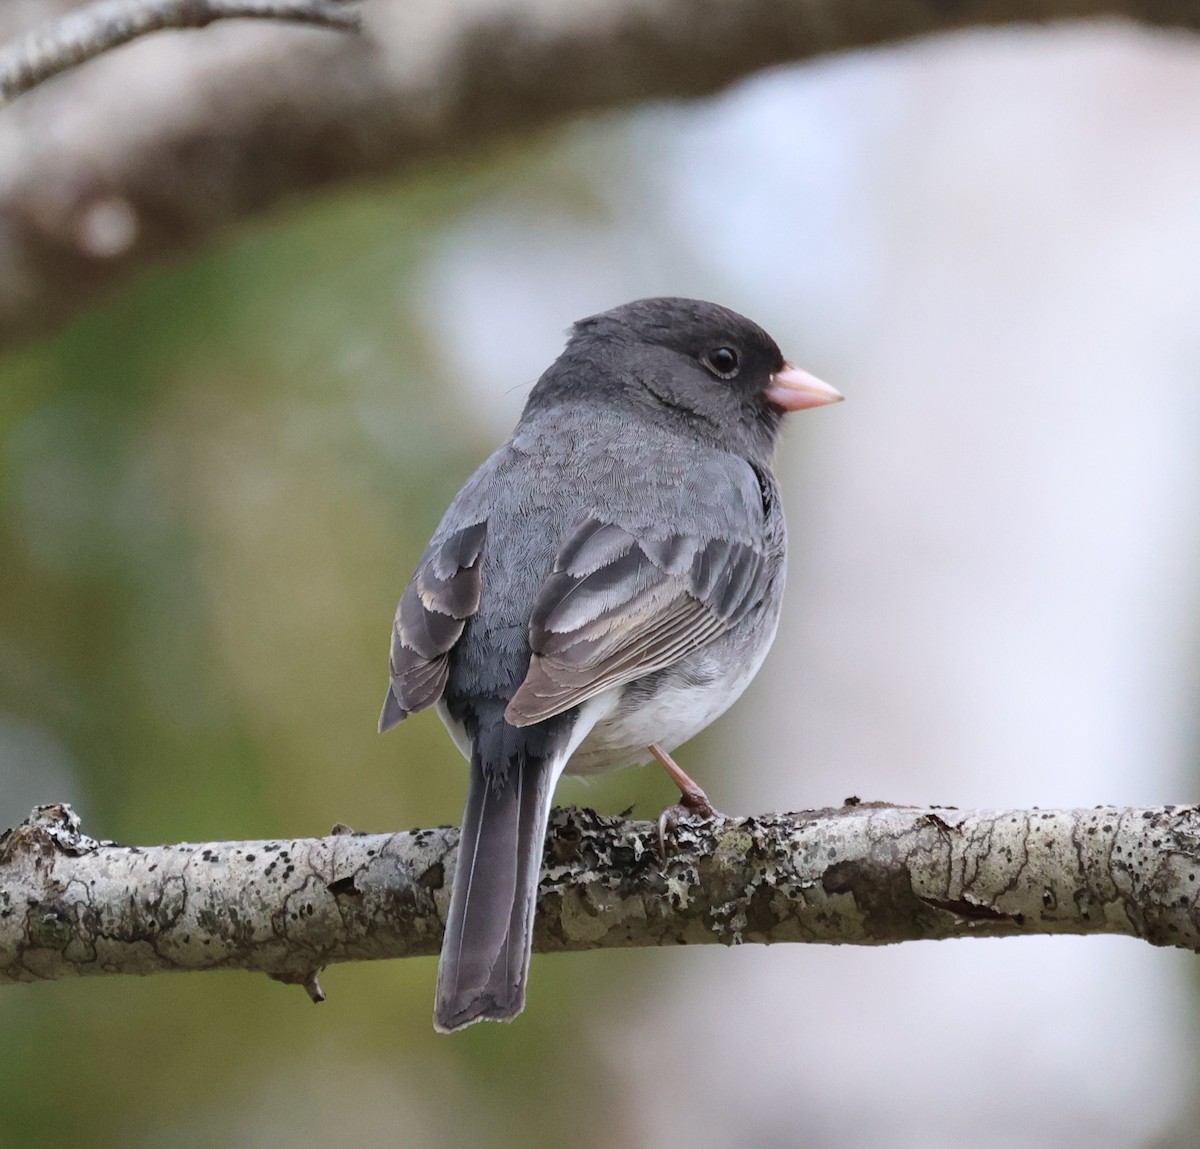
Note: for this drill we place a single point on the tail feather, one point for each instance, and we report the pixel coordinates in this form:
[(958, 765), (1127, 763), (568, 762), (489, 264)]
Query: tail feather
[(489, 932)]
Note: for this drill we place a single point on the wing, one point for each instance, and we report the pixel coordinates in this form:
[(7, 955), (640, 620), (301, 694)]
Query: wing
[(617, 607), (435, 606)]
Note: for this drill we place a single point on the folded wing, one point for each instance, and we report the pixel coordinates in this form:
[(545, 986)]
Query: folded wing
[(433, 611), (617, 607)]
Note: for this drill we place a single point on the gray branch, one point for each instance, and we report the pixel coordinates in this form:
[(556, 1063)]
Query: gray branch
[(155, 157), (92, 31), (863, 874)]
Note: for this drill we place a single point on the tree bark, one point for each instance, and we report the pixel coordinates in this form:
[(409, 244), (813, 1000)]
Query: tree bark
[(107, 24), (153, 148), (863, 874)]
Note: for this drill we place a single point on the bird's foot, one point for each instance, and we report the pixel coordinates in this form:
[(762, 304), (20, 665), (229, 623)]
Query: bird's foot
[(693, 802)]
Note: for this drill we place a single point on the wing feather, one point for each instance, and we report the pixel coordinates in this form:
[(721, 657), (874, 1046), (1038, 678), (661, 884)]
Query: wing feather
[(617, 607), (442, 594)]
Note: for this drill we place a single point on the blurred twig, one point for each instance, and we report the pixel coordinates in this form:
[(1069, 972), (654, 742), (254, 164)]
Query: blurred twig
[(103, 174), (91, 31), (864, 874)]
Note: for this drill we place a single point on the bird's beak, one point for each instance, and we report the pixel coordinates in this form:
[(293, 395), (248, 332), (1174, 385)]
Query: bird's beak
[(794, 390)]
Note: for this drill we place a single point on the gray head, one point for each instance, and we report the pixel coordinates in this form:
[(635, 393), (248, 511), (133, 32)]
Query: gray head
[(694, 364)]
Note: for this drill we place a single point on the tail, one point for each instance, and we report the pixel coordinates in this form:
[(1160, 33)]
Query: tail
[(489, 932)]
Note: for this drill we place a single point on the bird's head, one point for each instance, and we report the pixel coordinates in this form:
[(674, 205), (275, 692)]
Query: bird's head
[(697, 363)]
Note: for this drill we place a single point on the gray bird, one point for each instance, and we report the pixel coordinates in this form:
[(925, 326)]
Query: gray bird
[(600, 590)]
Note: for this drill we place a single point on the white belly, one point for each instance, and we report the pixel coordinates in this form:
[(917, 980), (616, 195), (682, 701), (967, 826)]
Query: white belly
[(608, 735), (671, 717)]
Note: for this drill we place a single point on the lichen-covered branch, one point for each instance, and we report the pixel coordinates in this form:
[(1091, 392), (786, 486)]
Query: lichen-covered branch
[(863, 874), (92, 31), (183, 139)]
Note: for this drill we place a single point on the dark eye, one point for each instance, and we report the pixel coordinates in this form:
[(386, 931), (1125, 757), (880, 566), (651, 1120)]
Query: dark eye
[(722, 362)]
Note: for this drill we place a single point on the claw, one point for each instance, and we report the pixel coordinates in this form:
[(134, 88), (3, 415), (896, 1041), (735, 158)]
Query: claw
[(693, 802)]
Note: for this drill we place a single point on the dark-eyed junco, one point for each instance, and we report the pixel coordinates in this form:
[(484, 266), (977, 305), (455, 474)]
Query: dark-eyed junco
[(602, 588)]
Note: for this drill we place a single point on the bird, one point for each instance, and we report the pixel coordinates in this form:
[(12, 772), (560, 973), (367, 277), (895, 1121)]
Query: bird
[(601, 589)]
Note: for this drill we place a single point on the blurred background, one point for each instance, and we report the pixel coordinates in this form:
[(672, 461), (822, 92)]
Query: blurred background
[(214, 485)]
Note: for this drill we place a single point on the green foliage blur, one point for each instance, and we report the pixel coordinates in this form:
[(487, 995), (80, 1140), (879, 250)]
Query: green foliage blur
[(213, 487)]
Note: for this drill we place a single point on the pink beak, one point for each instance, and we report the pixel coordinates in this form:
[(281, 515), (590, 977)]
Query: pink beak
[(795, 390)]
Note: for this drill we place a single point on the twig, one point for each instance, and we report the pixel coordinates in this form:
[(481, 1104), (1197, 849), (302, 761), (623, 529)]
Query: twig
[(86, 202), (863, 874), (91, 31)]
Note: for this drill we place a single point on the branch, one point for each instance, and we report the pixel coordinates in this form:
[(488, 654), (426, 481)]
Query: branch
[(86, 34), (151, 160), (864, 874)]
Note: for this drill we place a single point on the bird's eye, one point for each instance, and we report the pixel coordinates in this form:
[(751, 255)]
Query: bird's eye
[(722, 362)]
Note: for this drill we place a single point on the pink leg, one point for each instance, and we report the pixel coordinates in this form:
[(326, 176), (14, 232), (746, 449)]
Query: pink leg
[(692, 800)]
